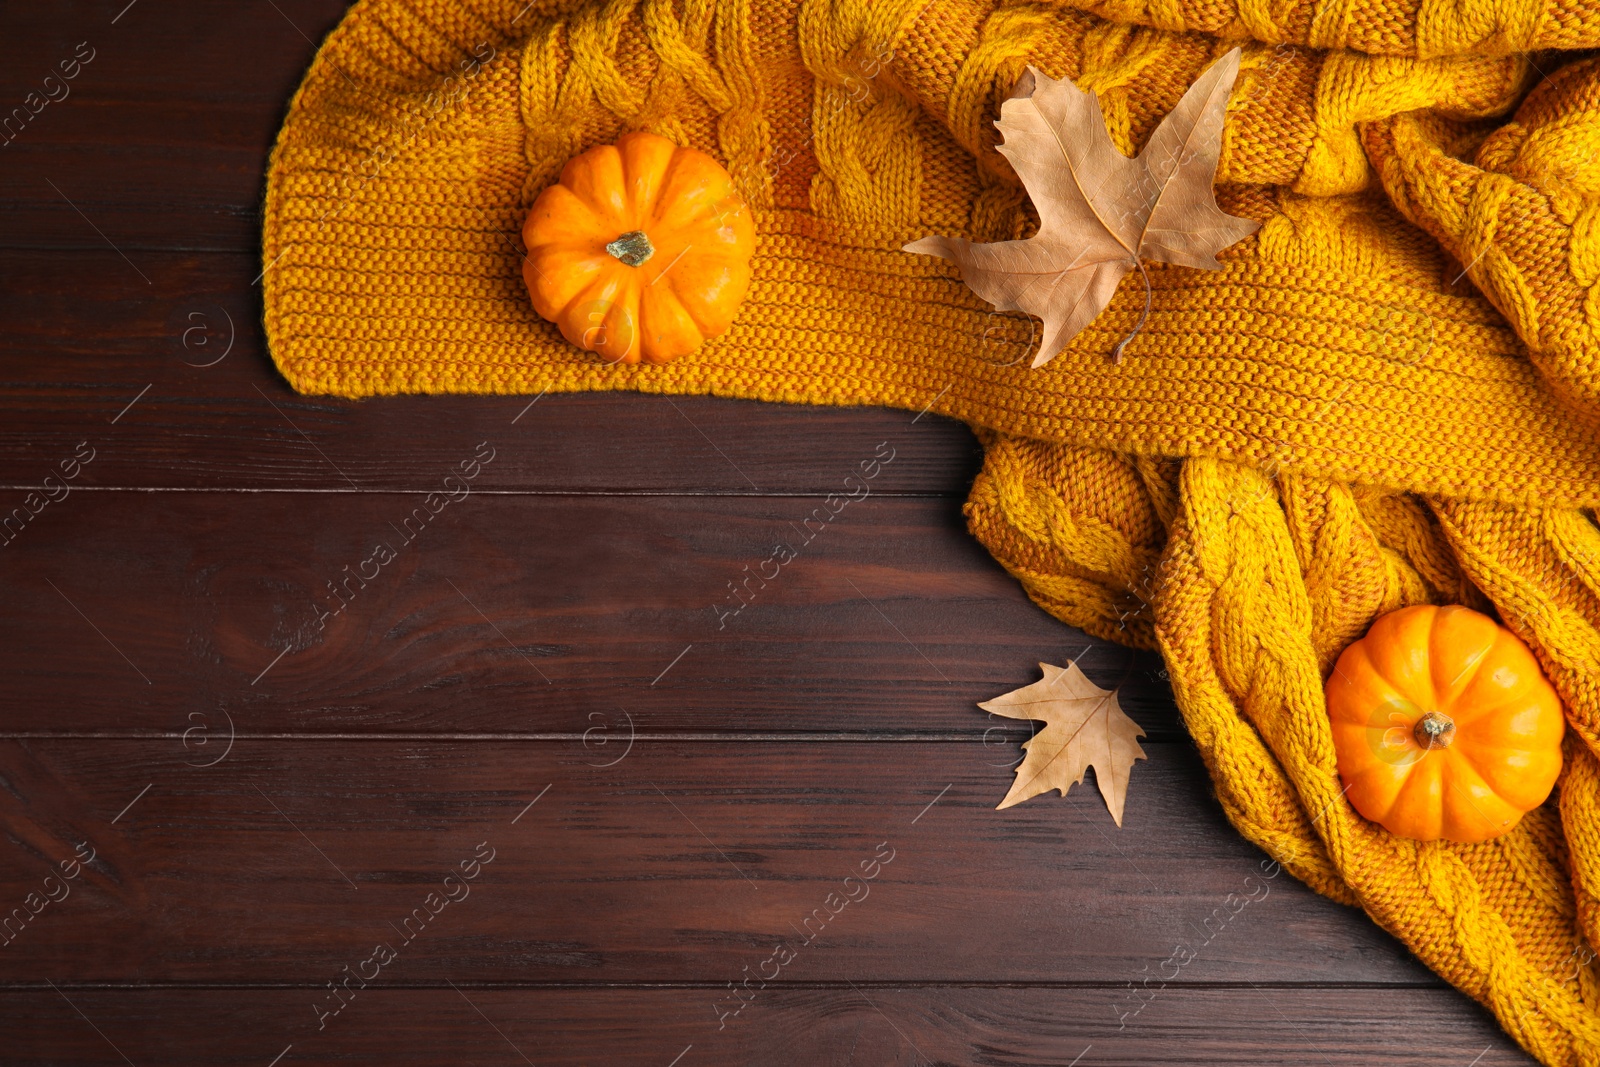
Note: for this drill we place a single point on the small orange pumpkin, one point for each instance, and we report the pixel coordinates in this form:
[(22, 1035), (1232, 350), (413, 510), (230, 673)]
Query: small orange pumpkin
[(1444, 725), (641, 251)]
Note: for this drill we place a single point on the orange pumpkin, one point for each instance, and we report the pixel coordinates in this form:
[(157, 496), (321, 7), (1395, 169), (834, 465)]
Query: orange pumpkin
[(641, 251), (1444, 725)]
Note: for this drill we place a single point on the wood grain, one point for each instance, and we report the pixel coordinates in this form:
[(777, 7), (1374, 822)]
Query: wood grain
[(863, 1024), (162, 138), (681, 861), (523, 615)]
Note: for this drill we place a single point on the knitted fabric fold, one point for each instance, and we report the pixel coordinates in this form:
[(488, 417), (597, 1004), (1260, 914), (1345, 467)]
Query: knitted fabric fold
[(1251, 585), (1389, 395)]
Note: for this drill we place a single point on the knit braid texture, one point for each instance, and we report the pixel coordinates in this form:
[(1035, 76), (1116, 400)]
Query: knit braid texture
[(1389, 395)]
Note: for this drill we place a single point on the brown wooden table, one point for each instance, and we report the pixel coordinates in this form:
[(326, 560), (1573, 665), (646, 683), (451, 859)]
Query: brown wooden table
[(525, 795)]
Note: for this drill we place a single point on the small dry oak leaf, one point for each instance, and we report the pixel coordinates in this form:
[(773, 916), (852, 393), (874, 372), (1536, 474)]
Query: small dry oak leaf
[(1100, 213), (1084, 727)]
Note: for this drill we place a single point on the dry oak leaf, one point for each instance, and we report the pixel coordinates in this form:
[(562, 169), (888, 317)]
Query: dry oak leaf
[(1100, 213), (1084, 726)]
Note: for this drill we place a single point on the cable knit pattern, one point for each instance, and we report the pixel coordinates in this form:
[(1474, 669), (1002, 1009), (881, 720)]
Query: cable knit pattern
[(1380, 27), (1390, 395), (1261, 582), (1523, 219)]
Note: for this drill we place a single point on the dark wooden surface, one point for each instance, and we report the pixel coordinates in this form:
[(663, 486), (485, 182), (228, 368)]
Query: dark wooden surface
[(270, 791)]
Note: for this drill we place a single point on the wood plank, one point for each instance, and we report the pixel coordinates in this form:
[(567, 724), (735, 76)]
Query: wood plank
[(287, 860), (862, 1025), (172, 385), (133, 612), (161, 138)]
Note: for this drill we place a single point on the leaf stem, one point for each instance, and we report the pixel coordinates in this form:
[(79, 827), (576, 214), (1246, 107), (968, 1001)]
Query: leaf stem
[(1116, 353)]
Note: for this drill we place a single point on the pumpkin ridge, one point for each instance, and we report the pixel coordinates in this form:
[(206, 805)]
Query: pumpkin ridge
[(690, 307), (701, 310), (1374, 774), (1423, 791), (591, 176), (1348, 667), (1448, 629), (559, 287), (1480, 746), (1504, 643), (694, 190), (655, 304), (1516, 784), (1396, 631), (602, 288), (612, 293), (1464, 677), (709, 252), (568, 231), (653, 216), (641, 208), (1490, 827)]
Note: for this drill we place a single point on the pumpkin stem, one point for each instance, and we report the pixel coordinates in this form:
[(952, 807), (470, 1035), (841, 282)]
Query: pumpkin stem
[(633, 248), (1435, 730)]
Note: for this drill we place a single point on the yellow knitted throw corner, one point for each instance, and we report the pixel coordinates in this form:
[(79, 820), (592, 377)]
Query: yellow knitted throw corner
[(1389, 395)]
